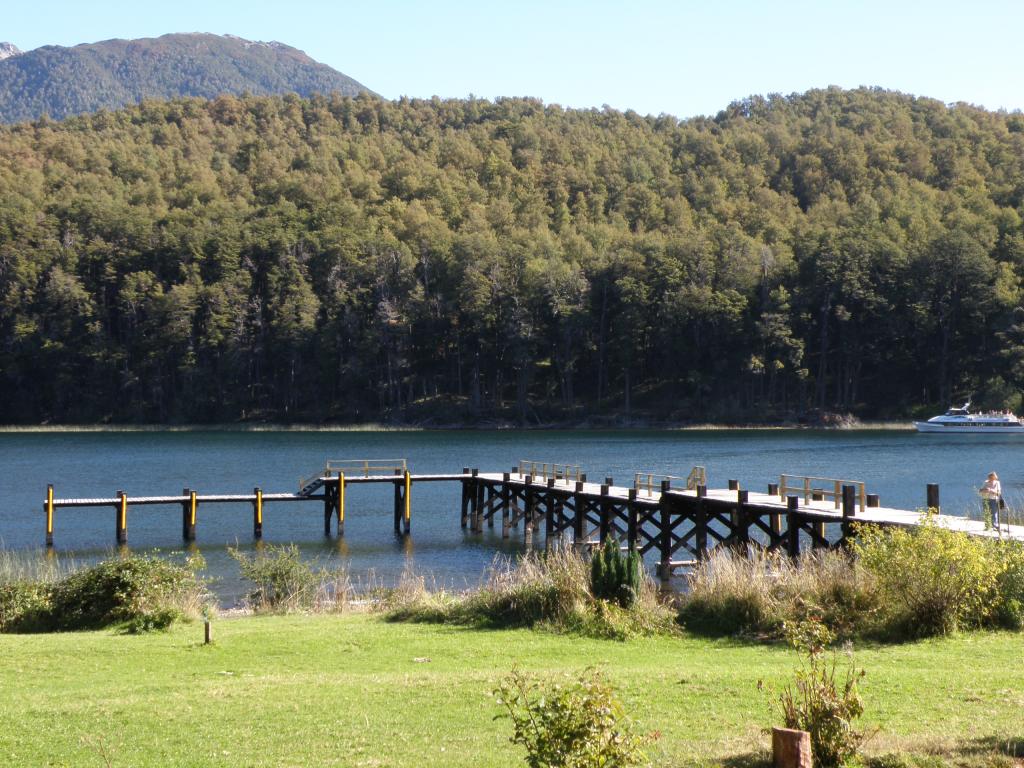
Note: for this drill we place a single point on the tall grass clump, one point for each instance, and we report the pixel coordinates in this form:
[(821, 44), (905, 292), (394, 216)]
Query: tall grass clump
[(549, 590), (283, 581), (756, 594), (136, 592)]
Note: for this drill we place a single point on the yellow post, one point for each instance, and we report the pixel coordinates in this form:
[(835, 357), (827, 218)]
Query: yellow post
[(408, 499), (192, 508), (341, 499), (259, 508), (49, 515), (122, 517)]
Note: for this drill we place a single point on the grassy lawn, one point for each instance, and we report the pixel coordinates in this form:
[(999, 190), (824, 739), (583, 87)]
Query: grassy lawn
[(354, 691)]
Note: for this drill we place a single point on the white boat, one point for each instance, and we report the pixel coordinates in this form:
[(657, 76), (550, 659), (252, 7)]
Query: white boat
[(958, 420)]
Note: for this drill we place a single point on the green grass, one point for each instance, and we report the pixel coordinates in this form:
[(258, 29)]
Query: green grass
[(354, 690)]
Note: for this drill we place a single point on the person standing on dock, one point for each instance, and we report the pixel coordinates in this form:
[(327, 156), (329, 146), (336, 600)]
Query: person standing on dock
[(991, 492)]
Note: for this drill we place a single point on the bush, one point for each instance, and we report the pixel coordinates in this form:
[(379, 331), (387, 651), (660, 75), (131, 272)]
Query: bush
[(932, 580), (24, 606), (285, 582), (574, 725), (140, 592), (614, 577), (815, 703)]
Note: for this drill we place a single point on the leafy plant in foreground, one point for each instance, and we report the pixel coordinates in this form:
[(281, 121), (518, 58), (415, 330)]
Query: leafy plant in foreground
[(574, 725), (814, 702)]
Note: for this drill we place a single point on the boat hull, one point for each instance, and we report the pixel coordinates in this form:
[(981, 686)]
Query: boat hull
[(974, 429)]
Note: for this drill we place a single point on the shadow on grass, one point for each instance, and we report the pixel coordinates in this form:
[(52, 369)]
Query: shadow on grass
[(981, 752), (993, 745), (760, 759)]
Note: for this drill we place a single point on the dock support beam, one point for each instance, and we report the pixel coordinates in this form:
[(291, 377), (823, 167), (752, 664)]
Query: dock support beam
[(849, 509), (665, 532), (700, 521), (185, 515), (48, 508), (190, 521), (257, 514), (741, 521), (506, 499), (464, 518), (793, 526), (933, 497), (122, 518), (341, 503)]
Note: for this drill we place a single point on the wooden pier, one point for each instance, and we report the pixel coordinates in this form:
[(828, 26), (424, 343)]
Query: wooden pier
[(674, 521)]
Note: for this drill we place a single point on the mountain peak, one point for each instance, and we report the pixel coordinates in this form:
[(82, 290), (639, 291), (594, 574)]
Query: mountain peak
[(110, 74)]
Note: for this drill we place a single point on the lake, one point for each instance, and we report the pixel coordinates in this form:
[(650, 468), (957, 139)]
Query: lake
[(895, 464)]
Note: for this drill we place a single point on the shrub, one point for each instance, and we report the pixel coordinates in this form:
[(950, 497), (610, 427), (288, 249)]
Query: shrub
[(285, 582), (140, 592), (815, 703), (1008, 611), (614, 577), (931, 580), (282, 579), (575, 725), (24, 606)]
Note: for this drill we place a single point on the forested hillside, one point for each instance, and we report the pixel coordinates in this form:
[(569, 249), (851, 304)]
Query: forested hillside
[(58, 81), (357, 259)]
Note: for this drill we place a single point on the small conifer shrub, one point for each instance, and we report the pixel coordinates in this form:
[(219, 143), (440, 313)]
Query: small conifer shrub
[(616, 577)]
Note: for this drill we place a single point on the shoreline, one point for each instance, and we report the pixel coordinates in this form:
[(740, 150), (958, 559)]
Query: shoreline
[(866, 426)]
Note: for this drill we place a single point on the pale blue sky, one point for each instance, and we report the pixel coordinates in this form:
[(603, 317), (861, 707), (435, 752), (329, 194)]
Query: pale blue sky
[(682, 58)]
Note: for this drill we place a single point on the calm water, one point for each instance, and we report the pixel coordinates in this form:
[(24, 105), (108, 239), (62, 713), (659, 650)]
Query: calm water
[(897, 465)]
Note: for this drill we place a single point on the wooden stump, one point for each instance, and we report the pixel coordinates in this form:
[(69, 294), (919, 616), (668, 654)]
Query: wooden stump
[(791, 748)]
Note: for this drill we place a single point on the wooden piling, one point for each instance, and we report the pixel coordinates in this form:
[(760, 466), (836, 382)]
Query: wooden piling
[(122, 518), (632, 524), (793, 526), (741, 520), (330, 495), (48, 509), (185, 513), (932, 495), (408, 502), (398, 506), (477, 523), (193, 505), (665, 532), (506, 500), (341, 503), (700, 523), (257, 514), (849, 509), (464, 515)]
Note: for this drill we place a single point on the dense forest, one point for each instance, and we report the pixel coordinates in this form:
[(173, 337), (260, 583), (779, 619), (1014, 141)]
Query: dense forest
[(59, 82), (442, 261)]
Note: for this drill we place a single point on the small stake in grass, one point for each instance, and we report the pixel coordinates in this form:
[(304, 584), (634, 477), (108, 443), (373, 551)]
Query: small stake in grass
[(207, 632)]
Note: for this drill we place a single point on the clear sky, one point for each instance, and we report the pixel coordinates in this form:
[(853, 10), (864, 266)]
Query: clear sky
[(682, 58)]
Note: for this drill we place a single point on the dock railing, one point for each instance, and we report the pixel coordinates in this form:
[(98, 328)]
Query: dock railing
[(356, 468), (650, 482), (548, 470), (826, 487)]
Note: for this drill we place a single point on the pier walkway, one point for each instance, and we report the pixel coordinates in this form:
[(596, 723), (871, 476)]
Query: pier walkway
[(675, 521)]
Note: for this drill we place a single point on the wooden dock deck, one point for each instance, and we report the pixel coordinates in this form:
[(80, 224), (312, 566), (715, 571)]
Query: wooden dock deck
[(674, 524)]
